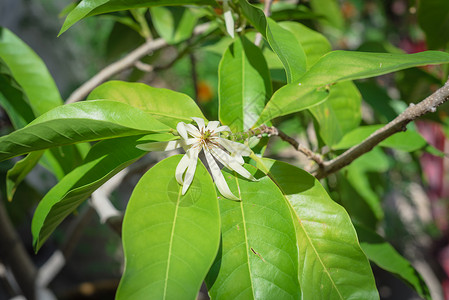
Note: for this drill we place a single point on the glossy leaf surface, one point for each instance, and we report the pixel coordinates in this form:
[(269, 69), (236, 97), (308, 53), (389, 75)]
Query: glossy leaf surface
[(18, 173), (244, 85), (167, 106), (104, 160), (175, 24), (258, 256), (331, 263), (79, 122), (88, 8), (170, 240)]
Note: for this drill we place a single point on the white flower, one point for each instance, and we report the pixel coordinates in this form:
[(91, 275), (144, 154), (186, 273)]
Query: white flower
[(207, 139)]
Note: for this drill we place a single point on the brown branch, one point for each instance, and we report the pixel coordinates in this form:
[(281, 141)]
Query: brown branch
[(125, 63), (413, 112)]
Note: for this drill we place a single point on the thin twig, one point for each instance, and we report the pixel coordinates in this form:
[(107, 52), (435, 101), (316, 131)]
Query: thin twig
[(399, 124), (267, 11), (126, 62)]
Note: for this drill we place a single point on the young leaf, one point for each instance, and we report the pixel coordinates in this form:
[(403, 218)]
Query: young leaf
[(385, 256), (174, 24), (170, 240), (289, 50), (166, 106), (79, 122), (340, 113), (351, 65), (104, 160), (258, 256), (88, 8), (30, 72), (244, 85), (331, 263)]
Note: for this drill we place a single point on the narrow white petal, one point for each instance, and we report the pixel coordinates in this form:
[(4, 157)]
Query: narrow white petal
[(231, 163), (212, 125), (219, 179), (193, 131), (229, 21), (238, 158), (181, 168), (234, 147), (193, 160), (165, 146), (181, 128), (200, 123), (223, 128)]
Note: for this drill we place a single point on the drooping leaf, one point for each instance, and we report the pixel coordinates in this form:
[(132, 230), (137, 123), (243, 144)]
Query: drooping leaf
[(88, 8), (244, 85), (351, 65), (314, 43), (331, 263), (255, 16), (291, 98), (79, 122), (258, 256), (340, 114), (433, 17), (17, 174), (167, 106), (104, 160), (170, 240), (289, 50), (30, 72), (385, 256), (174, 24), (409, 140)]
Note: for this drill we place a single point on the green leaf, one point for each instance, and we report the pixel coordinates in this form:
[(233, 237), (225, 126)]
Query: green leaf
[(167, 106), (385, 256), (30, 72), (433, 17), (104, 160), (170, 240), (313, 43), (289, 50), (255, 16), (174, 24), (258, 256), (330, 10), (289, 99), (18, 173), (244, 85), (408, 141), (79, 122), (351, 65), (331, 263), (13, 99), (340, 114), (88, 8)]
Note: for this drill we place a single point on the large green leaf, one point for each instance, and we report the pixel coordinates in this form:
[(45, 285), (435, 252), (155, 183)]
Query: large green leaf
[(409, 140), (167, 106), (340, 113), (291, 98), (244, 85), (385, 256), (258, 257), (433, 17), (255, 16), (170, 240), (290, 51), (79, 122), (351, 65), (331, 263), (174, 24), (104, 160), (88, 8), (30, 72), (314, 43)]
